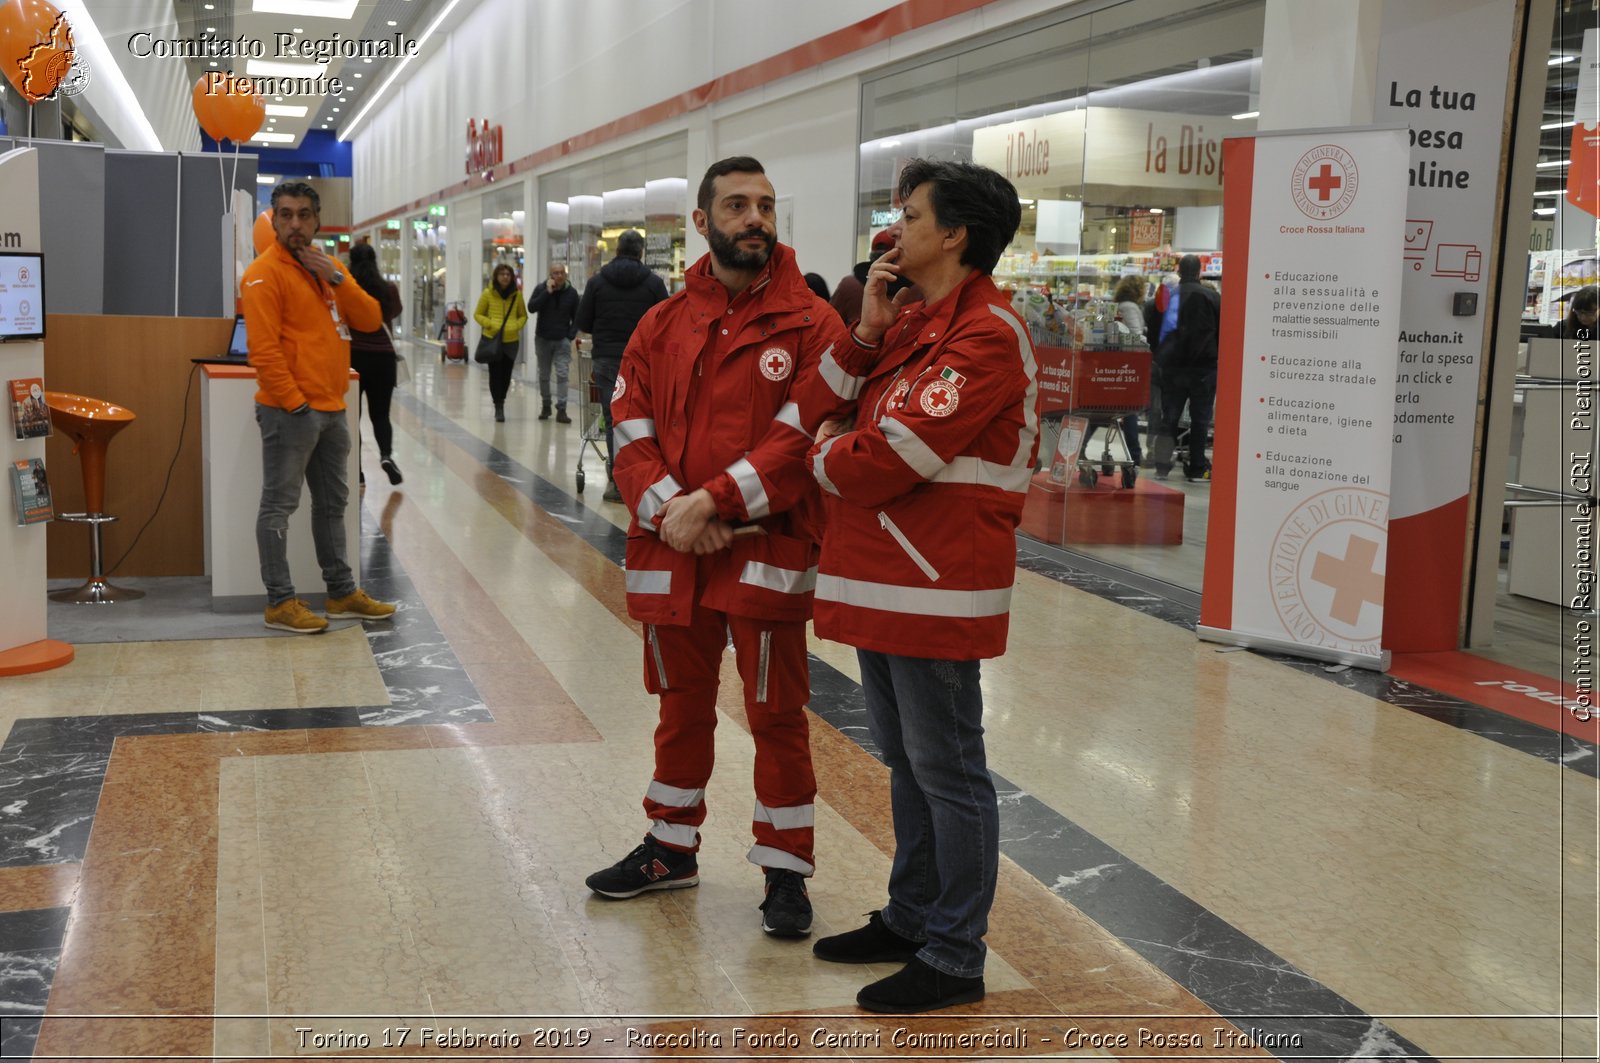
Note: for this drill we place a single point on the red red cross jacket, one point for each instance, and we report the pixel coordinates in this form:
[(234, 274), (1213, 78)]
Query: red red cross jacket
[(761, 353), (924, 496)]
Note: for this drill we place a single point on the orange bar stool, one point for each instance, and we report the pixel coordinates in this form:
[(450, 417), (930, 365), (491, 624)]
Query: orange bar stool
[(91, 423)]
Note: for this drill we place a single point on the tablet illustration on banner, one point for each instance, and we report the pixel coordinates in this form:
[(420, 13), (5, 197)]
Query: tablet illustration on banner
[(1458, 260)]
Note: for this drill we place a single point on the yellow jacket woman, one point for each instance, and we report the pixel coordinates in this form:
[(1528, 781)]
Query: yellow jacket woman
[(501, 303)]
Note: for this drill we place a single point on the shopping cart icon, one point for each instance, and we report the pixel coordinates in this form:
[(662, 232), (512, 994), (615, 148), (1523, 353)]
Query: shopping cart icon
[(1418, 235)]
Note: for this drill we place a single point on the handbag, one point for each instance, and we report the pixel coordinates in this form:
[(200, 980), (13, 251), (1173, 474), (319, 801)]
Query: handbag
[(492, 348)]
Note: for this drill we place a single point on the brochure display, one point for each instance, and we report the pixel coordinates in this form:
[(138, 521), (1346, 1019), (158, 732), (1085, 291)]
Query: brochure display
[(1298, 532), (30, 491), (30, 416), (24, 646)]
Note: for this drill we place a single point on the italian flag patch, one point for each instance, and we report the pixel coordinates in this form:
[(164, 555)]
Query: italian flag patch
[(951, 375)]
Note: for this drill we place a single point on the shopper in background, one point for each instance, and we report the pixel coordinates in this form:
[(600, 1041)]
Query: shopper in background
[(299, 308), (372, 355), (1187, 357), (1129, 298), (720, 392), (613, 302), (501, 305), (555, 304), (923, 497), (847, 294), (818, 286), (1581, 312)]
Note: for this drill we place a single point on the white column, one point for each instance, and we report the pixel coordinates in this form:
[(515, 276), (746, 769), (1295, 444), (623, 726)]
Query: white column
[(1319, 63)]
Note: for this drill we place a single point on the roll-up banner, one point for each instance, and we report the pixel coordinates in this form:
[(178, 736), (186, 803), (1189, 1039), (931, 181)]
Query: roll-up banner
[(1454, 100), (1298, 535)]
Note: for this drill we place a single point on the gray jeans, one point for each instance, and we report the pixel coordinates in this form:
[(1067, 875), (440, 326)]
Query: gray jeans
[(557, 352), (314, 447)]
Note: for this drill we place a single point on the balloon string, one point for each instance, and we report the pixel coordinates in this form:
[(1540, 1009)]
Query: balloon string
[(233, 176)]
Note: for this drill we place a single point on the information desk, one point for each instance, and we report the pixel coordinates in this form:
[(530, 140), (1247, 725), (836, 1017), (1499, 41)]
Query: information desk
[(232, 487)]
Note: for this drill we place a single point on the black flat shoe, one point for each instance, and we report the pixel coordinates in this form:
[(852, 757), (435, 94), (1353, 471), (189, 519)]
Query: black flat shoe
[(918, 987)]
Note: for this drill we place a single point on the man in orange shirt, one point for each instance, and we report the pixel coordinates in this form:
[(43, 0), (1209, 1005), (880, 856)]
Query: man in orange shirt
[(299, 307)]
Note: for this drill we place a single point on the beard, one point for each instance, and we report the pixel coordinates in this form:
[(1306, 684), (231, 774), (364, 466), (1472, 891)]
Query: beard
[(731, 256)]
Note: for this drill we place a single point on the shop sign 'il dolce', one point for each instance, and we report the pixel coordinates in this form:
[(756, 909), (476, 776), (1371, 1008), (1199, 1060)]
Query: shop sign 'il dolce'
[(1143, 149), (485, 147)]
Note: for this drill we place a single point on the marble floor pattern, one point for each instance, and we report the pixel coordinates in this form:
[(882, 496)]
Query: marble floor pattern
[(251, 848)]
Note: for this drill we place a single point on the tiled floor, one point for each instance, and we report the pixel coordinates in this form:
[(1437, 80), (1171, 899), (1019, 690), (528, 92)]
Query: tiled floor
[(242, 848)]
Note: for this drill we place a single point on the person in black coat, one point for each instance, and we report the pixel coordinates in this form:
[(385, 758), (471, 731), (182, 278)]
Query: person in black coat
[(613, 302), (555, 302), (1187, 359)]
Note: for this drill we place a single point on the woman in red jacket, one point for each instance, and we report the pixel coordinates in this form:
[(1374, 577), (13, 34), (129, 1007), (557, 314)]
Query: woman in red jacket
[(918, 559)]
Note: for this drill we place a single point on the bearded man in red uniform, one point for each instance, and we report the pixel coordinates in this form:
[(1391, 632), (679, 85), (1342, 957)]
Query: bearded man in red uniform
[(721, 390), (924, 494)]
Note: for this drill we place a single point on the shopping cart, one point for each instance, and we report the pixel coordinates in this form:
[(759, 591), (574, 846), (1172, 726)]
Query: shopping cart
[(1100, 386), (591, 413)]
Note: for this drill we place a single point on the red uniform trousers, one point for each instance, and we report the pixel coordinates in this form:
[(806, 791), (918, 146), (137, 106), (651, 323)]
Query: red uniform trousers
[(681, 665)]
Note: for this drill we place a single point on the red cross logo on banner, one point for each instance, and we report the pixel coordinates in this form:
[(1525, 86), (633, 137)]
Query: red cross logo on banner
[(776, 363), (1324, 182), (1352, 577)]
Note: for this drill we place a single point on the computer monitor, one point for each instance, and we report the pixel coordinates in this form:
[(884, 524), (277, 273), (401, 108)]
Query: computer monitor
[(239, 345)]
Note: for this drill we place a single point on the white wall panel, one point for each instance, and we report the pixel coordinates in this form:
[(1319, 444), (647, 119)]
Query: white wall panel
[(160, 85), (807, 143)]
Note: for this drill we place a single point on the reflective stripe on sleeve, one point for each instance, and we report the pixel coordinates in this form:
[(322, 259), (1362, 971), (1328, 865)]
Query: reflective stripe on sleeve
[(791, 818), (782, 580), (632, 431), (916, 601), (819, 467), (910, 448), (1030, 400), (655, 496), (790, 415), (674, 796), (843, 384), (745, 477), (968, 470), (648, 580)]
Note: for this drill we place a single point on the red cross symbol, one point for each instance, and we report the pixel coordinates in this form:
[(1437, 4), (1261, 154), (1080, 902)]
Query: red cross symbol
[(776, 364), (1325, 182), (938, 398), (1352, 578)]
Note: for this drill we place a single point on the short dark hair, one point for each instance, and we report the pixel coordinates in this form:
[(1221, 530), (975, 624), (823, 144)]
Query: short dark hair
[(297, 190), (721, 168), (630, 244), (964, 193), (1585, 299), (1189, 268)]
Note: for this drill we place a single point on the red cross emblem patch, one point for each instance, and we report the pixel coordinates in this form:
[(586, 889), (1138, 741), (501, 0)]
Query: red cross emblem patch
[(616, 392), (939, 398), (776, 363)]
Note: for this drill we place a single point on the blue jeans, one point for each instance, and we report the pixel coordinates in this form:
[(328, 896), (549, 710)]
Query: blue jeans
[(557, 353), (927, 718), (314, 447)]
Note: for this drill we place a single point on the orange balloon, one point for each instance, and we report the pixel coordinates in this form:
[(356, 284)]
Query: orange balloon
[(35, 47), (261, 233), (209, 100), (246, 111)]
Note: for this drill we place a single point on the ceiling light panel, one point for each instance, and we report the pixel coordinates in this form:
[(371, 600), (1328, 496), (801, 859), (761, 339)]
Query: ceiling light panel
[(338, 9)]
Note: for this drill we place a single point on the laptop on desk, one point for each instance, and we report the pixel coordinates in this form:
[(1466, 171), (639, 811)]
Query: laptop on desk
[(238, 348)]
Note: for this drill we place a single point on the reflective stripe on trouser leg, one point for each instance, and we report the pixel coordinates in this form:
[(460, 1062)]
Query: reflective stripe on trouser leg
[(685, 732), (785, 785)]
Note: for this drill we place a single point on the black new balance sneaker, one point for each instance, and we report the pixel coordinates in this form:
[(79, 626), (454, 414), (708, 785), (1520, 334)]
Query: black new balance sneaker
[(652, 866), (786, 913)]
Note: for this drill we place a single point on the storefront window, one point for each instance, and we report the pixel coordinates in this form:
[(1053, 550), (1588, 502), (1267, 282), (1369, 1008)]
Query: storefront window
[(1110, 127), (502, 232), (428, 232), (587, 207)]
